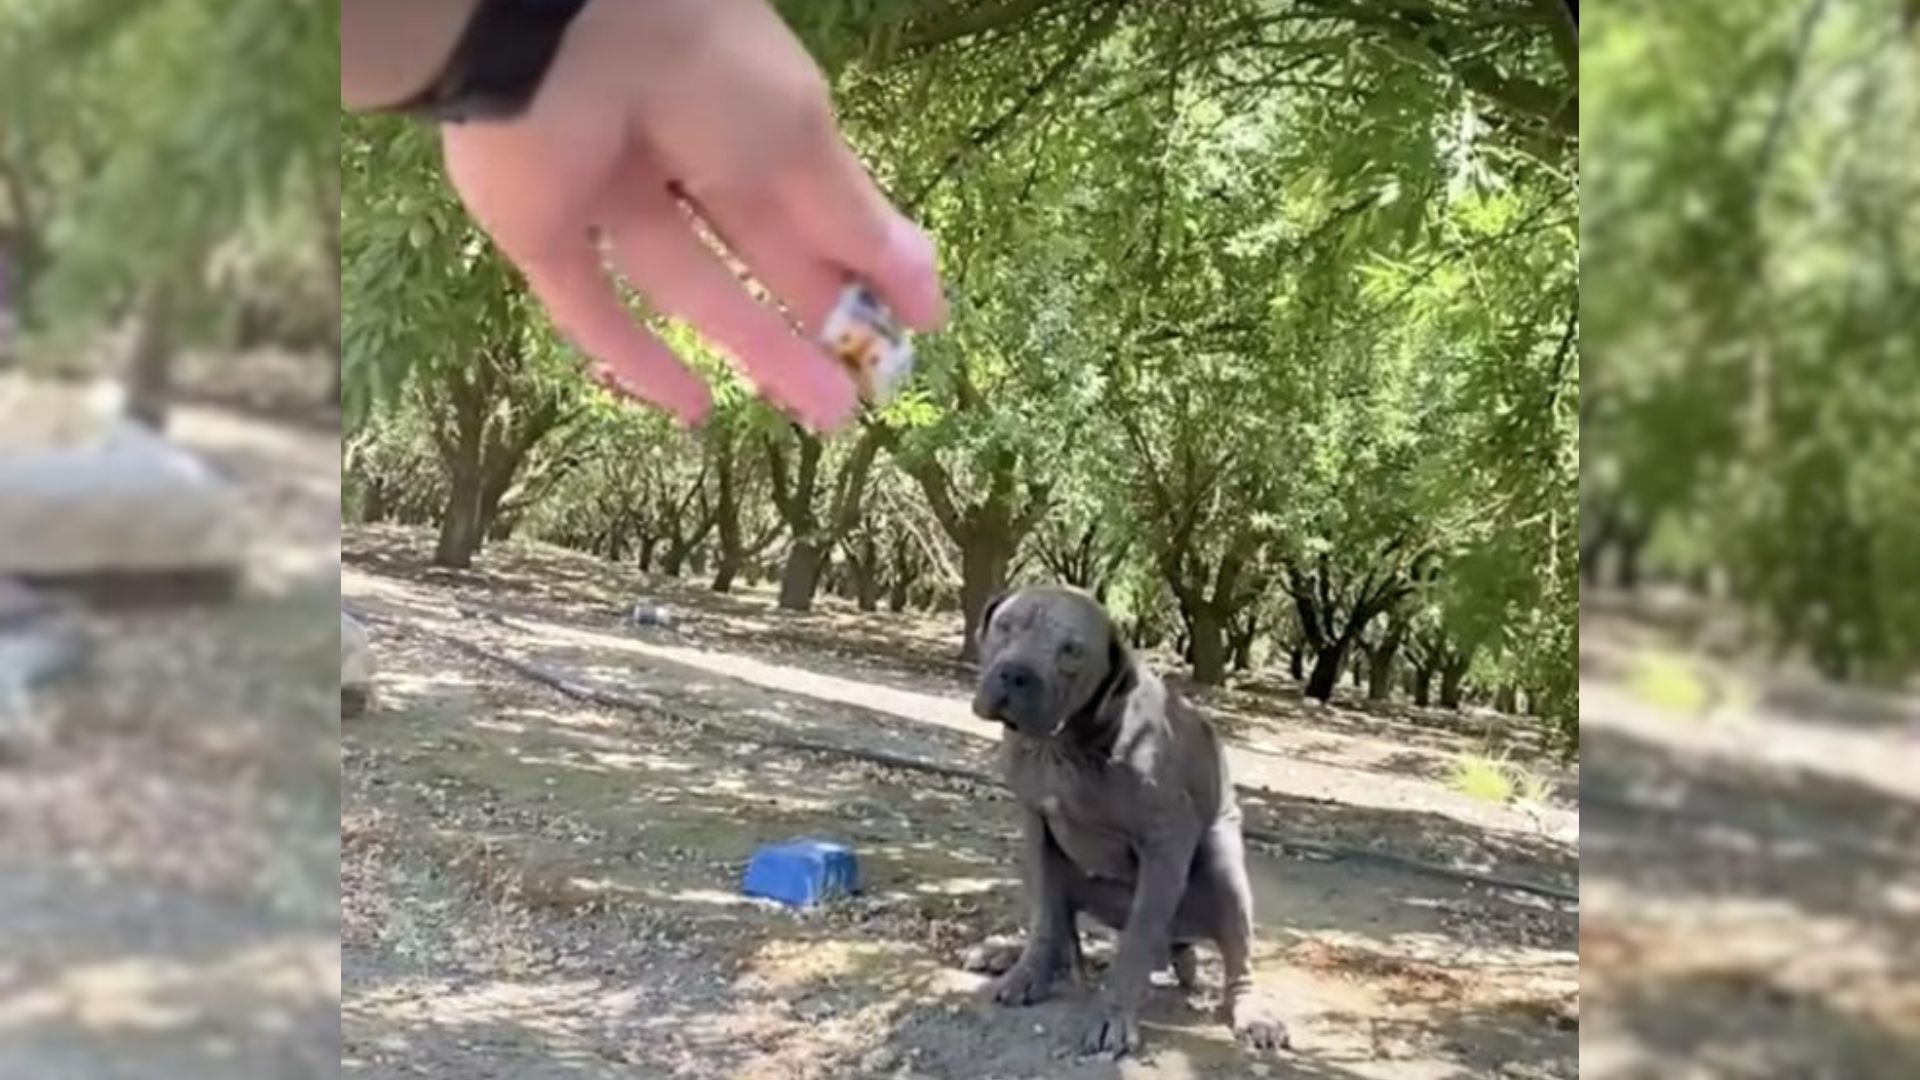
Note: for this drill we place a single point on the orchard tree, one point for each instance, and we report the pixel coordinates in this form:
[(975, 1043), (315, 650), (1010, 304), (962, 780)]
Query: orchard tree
[(1751, 401), (224, 109)]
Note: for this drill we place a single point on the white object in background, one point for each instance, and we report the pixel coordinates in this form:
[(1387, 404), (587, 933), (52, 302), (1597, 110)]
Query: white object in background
[(356, 667), (127, 501)]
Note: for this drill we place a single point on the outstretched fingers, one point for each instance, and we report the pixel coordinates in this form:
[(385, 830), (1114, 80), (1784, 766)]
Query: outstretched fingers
[(655, 247), (579, 296)]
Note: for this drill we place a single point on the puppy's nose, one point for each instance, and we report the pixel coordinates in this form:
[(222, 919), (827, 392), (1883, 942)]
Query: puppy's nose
[(1017, 678)]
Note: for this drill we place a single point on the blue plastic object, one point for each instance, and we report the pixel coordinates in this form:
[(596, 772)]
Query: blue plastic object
[(802, 872)]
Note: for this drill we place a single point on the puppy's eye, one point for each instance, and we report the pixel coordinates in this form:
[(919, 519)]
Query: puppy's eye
[(1071, 650)]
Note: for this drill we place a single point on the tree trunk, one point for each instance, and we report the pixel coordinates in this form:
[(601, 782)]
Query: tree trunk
[(461, 529), (1297, 660), (800, 577), (1326, 670), (866, 573), (1380, 672), (1208, 643), (462, 522), (1243, 653), (983, 573), (1507, 699), (501, 527), (648, 545), (1594, 542), (1629, 544), (674, 562), (1452, 685), (150, 360), (732, 544), (1385, 661), (374, 508), (1423, 686), (1240, 637)]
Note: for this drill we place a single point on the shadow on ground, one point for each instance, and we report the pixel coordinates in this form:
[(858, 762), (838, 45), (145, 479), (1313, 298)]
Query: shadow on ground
[(1743, 916), (534, 888)]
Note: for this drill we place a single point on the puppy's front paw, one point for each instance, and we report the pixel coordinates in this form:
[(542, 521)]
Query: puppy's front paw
[(1025, 983), (1113, 1031), (1257, 1028)]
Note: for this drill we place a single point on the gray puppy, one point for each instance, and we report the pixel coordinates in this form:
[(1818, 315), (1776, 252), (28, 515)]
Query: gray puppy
[(1126, 814)]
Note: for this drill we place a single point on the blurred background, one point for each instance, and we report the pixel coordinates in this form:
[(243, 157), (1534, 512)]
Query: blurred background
[(1750, 540), (169, 447), (1748, 398)]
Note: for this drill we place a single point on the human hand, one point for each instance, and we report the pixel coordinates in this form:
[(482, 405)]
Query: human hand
[(656, 109)]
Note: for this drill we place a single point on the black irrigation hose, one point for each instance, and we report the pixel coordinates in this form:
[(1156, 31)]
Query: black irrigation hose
[(608, 699)]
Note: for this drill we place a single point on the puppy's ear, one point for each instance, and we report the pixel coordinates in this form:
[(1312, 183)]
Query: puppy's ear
[(1121, 679), (986, 613)]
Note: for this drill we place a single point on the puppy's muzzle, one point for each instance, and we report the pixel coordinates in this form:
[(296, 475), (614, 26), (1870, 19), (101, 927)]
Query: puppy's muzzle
[(1011, 692)]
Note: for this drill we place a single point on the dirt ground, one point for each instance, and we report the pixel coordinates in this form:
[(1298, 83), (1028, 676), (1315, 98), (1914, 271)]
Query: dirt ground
[(535, 887), (168, 900), (1750, 869)]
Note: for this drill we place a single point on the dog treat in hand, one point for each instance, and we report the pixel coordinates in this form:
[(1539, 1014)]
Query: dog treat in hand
[(863, 334)]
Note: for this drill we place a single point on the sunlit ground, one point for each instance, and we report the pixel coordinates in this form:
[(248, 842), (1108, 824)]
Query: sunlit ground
[(542, 887), (168, 842), (1750, 866)]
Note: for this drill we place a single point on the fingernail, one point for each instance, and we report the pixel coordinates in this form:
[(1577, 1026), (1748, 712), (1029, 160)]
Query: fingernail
[(916, 267)]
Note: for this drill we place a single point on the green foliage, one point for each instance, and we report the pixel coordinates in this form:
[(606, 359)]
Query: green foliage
[(141, 136), (1750, 213), (419, 282), (1238, 290)]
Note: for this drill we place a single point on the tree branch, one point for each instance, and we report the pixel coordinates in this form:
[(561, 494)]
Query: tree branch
[(1076, 52)]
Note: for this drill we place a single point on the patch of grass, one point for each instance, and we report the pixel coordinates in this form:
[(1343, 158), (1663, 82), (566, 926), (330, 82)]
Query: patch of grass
[(1479, 776), (1492, 778), (1669, 682), (1531, 787)]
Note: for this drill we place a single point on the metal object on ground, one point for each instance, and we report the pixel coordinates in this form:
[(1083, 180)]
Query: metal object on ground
[(647, 613)]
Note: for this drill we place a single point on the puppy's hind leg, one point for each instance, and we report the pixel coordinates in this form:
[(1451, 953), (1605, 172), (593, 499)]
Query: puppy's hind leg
[(1224, 863)]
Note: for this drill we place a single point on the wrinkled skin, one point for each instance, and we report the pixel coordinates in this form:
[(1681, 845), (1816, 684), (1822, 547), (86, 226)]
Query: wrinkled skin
[(1046, 656)]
